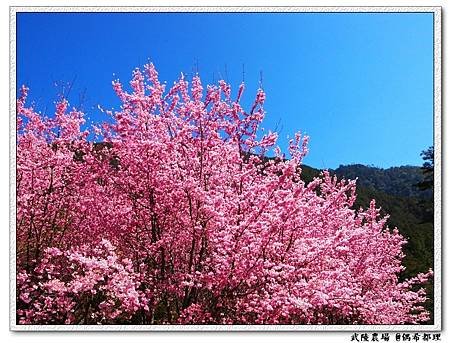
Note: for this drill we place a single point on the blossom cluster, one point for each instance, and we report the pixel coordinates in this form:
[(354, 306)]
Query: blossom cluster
[(177, 216)]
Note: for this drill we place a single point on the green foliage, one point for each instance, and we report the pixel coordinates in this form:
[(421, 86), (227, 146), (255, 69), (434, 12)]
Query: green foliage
[(399, 181), (428, 169)]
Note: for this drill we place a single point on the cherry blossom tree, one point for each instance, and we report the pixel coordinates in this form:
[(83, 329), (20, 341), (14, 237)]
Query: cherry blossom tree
[(178, 216)]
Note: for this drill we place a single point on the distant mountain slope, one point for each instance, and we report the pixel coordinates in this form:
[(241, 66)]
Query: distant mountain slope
[(395, 181)]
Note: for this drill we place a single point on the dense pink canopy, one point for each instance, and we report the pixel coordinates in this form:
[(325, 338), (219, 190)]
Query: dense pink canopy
[(177, 217)]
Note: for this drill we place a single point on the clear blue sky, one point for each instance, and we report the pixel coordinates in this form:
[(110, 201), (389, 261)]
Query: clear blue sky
[(359, 84)]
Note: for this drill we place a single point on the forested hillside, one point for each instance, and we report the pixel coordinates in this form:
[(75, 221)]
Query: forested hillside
[(399, 181)]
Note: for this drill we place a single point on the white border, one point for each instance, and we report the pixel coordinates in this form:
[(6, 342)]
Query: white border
[(331, 328)]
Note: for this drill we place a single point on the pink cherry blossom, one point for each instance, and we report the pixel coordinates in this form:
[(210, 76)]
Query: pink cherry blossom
[(173, 219)]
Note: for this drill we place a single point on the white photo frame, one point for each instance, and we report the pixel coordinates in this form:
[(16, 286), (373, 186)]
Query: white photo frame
[(352, 328)]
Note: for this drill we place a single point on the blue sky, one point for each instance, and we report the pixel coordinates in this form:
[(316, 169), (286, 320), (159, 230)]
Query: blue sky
[(359, 84)]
